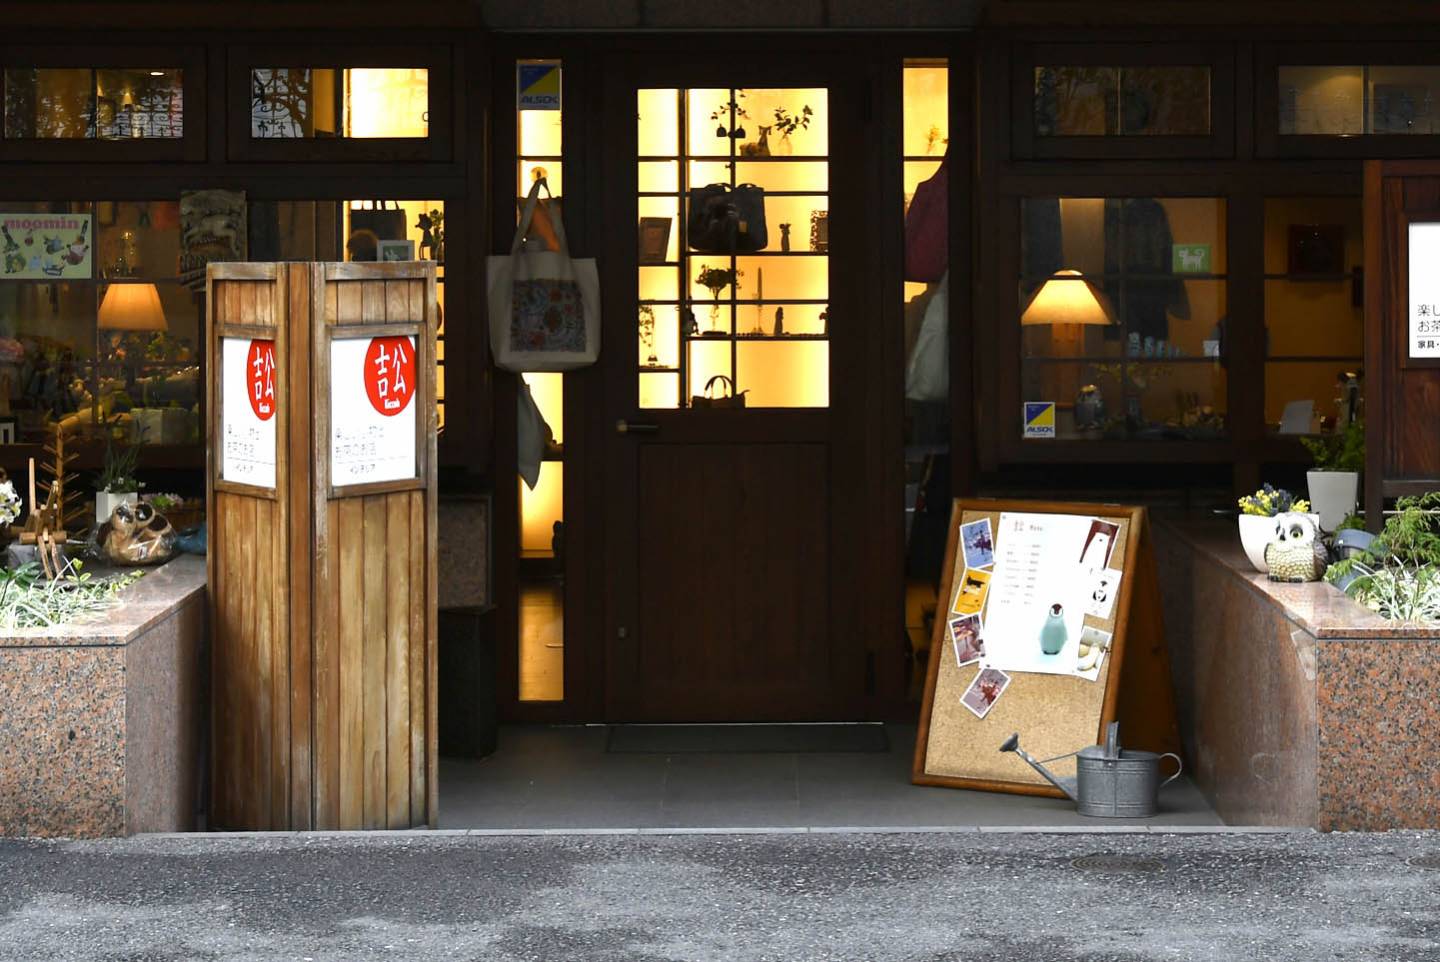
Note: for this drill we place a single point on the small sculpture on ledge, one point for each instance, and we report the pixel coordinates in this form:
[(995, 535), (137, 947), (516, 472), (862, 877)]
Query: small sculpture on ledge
[(1296, 554), (136, 534)]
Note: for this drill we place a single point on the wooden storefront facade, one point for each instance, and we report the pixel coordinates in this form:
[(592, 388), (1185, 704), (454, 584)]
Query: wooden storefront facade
[(652, 522)]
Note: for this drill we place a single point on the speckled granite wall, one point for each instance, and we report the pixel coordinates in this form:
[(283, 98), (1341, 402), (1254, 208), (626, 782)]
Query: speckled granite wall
[(100, 731), (463, 552), (1379, 717), (1297, 706)]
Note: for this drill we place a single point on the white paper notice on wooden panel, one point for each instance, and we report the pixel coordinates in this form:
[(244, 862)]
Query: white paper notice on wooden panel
[(1424, 337), (247, 408), (372, 410)]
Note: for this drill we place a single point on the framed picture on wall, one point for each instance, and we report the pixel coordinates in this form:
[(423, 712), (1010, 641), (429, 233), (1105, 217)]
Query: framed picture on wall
[(1316, 249), (654, 239), (396, 250)]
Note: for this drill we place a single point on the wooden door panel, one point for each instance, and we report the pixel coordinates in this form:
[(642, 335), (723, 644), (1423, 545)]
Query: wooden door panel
[(733, 581)]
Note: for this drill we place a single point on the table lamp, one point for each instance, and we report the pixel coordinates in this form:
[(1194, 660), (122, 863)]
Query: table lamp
[(132, 307), (1067, 303)]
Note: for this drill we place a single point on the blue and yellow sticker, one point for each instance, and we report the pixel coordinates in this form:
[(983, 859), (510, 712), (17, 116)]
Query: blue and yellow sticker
[(537, 86), (1039, 419)]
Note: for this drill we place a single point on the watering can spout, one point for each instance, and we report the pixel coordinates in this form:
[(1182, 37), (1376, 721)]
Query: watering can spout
[(1066, 785)]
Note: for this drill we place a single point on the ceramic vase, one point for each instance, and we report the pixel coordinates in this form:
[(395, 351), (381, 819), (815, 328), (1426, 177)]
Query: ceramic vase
[(1257, 531), (1332, 495), (1053, 633), (106, 501)]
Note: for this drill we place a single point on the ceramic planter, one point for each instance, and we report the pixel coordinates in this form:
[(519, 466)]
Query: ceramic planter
[(1256, 531), (1332, 495), (105, 502)]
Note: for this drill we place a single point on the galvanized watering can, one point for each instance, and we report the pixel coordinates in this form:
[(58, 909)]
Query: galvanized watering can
[(1110, 782)]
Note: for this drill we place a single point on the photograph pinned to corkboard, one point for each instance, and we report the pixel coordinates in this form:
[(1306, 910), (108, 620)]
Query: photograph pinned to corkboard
[(1050, 588)]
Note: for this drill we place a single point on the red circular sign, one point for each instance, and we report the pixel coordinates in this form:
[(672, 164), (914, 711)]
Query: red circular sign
[(390, 374), (260, 378)]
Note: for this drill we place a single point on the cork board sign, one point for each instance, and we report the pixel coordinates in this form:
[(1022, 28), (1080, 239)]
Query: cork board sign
[(1029, 637)]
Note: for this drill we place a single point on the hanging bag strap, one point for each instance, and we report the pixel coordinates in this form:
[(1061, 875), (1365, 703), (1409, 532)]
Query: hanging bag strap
[(527, 214)]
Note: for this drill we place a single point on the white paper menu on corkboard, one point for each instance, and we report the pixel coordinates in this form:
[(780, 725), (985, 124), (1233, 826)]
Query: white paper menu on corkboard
[(1065, 554)]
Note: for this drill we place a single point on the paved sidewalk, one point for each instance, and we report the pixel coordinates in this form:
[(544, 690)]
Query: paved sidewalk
[(936, 897)]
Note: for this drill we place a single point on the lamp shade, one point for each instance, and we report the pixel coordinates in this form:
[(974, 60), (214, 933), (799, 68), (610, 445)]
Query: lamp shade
[(132, 307), (1067, 298)]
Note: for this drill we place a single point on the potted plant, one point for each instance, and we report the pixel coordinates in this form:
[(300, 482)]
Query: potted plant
[(1334, 484), (116, 483), (1257, 520), (1398, 574)]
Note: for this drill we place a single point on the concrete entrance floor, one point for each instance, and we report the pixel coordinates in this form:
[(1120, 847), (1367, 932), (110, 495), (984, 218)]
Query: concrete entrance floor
[(560, 777)]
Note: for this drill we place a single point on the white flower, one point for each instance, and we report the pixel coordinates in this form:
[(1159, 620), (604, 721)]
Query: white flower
[(9, 503)]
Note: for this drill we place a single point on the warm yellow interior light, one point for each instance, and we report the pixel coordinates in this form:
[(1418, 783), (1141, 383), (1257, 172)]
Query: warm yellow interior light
[(1067, 298)]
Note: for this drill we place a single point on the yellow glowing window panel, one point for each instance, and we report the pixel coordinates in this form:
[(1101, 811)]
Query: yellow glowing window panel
[(659, 390), (530, 170), (659, 342), (540, 132), (659, 176), (548, 391), (658, 122), (541, 508), (708, 359), (387, 102), (927, 110), (784, 374)]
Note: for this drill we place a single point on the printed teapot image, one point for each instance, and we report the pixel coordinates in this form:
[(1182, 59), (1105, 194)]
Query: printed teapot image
[(1296, 554)]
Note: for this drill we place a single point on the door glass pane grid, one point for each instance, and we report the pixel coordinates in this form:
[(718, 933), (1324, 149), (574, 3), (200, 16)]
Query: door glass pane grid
[(1314, 314), (759, 319), (1123, 315)]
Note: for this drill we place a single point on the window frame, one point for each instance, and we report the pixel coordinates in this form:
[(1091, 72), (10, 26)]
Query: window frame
[(1027, 56), (438, 147), (1271, 144), (188, 147)]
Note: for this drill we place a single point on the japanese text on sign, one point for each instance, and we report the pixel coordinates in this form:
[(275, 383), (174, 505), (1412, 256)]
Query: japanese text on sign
[(373, 422), (1424, 316), (248, 403)]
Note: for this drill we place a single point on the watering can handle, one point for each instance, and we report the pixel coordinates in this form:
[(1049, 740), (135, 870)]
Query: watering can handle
[(1179, 767)]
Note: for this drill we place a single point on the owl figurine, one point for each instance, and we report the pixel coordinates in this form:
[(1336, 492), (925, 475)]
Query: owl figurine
[(1296, 554)]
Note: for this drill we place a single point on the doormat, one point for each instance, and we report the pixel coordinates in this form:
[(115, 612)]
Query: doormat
[(757, 739)]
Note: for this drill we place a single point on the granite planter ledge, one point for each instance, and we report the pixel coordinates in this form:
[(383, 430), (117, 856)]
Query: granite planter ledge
[(1297, 705), (100, 730)]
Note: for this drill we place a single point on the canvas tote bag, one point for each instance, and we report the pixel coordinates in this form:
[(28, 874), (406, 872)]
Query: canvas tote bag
[(927, 373), (544, 305)]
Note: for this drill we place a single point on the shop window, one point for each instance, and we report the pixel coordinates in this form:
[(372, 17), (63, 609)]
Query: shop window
[(1122, 314), (539, 155), (351, 102), (1126, 101), (713, 323), (1314, 313), (42, 103), (96, 332), (1346, 100)]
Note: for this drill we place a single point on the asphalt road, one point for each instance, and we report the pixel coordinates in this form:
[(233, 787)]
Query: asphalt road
[(797, 898)]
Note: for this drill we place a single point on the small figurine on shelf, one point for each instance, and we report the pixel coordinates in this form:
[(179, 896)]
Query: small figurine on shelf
[(825, 321), (432, 235), (691, 326), (785, 238), (779, 321)]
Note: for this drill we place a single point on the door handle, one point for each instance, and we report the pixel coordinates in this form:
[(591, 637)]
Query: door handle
[(623, 426)]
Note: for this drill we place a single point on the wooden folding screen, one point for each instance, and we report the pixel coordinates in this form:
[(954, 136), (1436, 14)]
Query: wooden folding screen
[(323, 595)]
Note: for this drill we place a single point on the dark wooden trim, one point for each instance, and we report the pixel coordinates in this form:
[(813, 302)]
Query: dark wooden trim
[(1376, 376), (141, 17), (1235, 14)]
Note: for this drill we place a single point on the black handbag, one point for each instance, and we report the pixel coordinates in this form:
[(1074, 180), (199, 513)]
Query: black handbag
[(727, 400), (725, 220)]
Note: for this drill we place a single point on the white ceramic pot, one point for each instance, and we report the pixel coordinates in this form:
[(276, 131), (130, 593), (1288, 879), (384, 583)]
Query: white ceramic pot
[(1257, 531), (1332, 495), (105, 502)]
